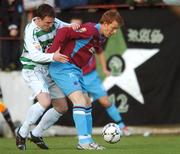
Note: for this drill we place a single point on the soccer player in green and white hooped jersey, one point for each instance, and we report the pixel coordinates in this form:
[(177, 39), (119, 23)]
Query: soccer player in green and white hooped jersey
[(36, 40), (38, 35)]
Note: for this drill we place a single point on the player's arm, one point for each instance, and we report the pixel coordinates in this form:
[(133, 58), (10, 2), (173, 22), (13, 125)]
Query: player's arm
[(102, 60), (66, 33), (62, 24), (32, 45)]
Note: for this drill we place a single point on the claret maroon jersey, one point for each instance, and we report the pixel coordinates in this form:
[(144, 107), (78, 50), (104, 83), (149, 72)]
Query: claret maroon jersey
[(79, 45)]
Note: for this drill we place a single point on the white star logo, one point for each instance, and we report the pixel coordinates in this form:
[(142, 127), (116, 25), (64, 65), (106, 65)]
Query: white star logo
[(128, 79)]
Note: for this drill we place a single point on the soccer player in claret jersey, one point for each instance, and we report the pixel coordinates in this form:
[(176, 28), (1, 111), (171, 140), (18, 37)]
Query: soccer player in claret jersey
[(80, 46)]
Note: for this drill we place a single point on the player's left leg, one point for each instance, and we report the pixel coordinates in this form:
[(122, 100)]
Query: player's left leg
[(115, 115), (93, 85), (95, 88)]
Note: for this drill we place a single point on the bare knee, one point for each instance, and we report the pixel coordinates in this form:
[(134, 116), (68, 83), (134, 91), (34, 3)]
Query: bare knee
[(60, 105), (44, 99), (104, 101), (78, 98)]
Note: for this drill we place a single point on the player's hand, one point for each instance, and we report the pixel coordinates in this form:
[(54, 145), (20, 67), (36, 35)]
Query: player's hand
[(60, 57), (75, 26), (106, 72)]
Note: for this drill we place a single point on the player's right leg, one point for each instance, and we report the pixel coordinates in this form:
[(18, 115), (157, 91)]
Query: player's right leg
[(83, 122), (49, 118), (79, 111), (52, 115)]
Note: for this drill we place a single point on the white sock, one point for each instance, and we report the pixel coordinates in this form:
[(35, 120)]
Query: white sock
[(48, 119), (33, 114)]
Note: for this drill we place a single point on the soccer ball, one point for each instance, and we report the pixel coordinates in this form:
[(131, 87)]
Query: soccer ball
[(111, 133)]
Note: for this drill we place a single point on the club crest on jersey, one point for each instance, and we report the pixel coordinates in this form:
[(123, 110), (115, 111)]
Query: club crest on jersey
[(81, 30), (92, 50)]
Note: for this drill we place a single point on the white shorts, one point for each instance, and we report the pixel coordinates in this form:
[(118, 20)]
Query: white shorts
[(39, 81)]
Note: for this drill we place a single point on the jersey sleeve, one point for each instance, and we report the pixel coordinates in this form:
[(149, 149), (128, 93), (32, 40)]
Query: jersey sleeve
[(100, 50), (67, 33), (101, 44), (32, 45), (61, 24)]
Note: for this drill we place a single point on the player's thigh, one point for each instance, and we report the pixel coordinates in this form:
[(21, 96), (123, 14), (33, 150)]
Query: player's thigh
[(95, 88), (68, 82), (55, 91), (36, 81)]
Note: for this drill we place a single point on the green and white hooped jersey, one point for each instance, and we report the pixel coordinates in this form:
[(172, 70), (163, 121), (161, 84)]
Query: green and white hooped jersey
[(35, 42)]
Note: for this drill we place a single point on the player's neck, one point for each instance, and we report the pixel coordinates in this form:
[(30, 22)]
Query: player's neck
[(101, 31)]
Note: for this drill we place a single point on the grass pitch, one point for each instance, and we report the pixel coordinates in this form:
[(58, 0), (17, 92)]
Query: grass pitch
[(159, 144)]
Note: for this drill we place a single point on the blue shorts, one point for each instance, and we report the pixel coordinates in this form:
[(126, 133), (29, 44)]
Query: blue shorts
[(93, 85), (67, 76)]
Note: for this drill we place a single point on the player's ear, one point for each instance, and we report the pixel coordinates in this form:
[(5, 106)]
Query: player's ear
[(106, 25)]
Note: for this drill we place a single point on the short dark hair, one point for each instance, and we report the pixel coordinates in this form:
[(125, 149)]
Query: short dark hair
[(110, 16), (45, 10)]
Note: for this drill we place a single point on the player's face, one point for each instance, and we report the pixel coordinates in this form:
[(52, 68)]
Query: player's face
[(46, 23), (110, 29)]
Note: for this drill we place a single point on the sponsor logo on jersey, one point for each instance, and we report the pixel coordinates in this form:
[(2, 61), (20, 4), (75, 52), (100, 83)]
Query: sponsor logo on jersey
[(37, 45), (81, 30)]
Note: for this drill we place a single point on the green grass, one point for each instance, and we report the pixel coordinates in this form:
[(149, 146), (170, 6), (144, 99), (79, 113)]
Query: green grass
[(167, 144)]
